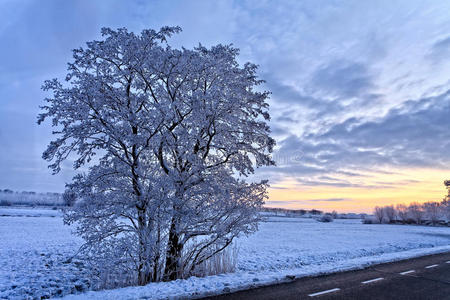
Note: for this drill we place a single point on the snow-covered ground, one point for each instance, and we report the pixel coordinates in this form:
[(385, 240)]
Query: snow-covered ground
[(26, 211), (33, 251)]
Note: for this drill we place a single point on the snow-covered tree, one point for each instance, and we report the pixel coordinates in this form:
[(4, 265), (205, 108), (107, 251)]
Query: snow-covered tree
[(416, 212), (432, 211), (378, 212), (389, 213), (334, 214), (402, 212), (167, 134), (445, 204), (445, 208)]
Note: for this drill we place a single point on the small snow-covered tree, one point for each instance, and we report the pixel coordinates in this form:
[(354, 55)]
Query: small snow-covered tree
[(379, 214), (445, 209), (445, 204), (432, 211), (389, 213), (416, 212), (402, 212), (334, 214), (166, 133)]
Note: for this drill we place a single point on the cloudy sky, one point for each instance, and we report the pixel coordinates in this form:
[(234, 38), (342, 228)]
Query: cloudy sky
[(360, 89)]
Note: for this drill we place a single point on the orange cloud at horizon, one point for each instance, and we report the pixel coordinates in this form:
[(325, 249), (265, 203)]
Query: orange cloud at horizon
[(361, 193)]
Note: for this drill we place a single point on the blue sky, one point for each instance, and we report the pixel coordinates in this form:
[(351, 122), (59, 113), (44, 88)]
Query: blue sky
[(359, 88)]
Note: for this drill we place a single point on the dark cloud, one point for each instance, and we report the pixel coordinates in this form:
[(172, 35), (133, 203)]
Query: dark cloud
[(329, 200), (282, 202), (335, 89), (396, 183), (279, 188), (278, 130), (306, 201), (311, 181), (343, 79), (287, 94), (286, 119), (440, 50), (415, 134)]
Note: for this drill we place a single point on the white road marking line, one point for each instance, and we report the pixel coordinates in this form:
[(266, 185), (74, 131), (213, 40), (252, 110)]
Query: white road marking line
[(407, 272), (372, 280), (431, 266), (324, 292)]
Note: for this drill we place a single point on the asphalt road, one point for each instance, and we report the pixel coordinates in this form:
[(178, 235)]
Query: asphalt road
[(423, 278)]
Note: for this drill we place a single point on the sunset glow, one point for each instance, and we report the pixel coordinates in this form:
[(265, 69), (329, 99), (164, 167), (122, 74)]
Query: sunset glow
[(375, 189)]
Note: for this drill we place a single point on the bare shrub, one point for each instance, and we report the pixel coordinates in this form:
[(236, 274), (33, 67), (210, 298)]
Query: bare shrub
[(112, 278), (222, 262), (379, 214)]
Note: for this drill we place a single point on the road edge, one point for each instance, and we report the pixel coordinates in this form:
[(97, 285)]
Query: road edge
[(333, 269)]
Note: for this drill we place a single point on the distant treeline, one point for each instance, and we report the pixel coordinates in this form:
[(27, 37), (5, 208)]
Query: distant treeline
[(428, 213), (310, 213), (9, 197), (292, 211)]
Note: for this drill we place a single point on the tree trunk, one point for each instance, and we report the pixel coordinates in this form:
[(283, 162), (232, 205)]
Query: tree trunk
[(156, 274), (173, 256), (144, 276), (144, 270)]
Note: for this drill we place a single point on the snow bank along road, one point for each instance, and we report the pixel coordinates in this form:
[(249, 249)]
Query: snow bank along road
[(421, 278)]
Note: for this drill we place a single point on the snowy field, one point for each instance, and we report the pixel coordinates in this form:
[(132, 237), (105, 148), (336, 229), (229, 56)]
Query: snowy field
[(35, 246)]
